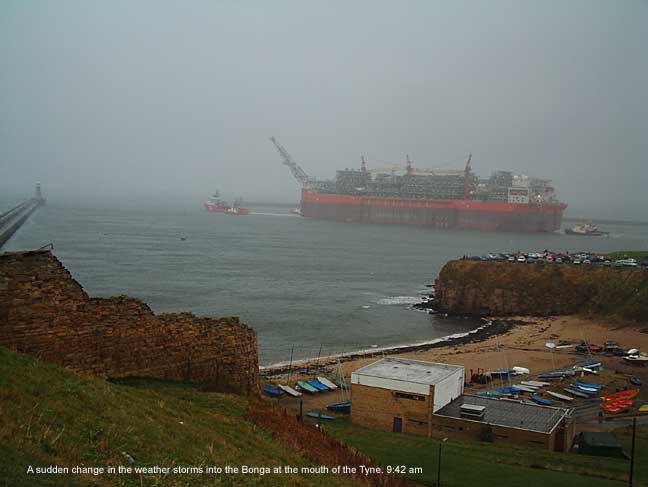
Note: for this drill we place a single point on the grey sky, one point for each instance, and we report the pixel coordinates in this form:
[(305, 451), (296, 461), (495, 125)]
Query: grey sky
[(148, 100)]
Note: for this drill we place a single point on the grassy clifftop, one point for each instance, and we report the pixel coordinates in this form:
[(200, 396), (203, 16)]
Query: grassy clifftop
[(485, 287), (49, 416)]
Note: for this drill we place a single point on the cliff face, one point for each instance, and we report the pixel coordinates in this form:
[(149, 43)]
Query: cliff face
[(506, 288), (46, 313)]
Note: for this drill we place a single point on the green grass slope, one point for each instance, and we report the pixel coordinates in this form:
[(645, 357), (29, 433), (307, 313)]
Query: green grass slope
[(475, 463), (49, 416)]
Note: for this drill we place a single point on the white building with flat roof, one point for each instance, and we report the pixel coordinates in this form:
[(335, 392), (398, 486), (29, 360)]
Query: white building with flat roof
[(435, 383)]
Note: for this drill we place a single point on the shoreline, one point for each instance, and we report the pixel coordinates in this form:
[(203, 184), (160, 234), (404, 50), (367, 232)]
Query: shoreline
[(500, 343), (491, 328)]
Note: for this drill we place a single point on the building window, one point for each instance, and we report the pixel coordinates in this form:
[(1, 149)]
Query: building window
[(413, 397)]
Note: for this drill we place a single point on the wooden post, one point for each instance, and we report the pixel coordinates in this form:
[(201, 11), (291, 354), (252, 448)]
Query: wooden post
[(632, 451)]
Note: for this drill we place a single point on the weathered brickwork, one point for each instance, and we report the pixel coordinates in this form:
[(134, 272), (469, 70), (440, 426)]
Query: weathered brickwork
[(46, 313)]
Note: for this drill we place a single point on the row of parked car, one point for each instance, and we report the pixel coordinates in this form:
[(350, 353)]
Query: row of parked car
[(548, 257)]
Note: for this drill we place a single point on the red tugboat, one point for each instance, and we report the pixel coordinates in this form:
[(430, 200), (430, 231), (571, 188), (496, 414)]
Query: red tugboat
[(237, 209), (216, 204)]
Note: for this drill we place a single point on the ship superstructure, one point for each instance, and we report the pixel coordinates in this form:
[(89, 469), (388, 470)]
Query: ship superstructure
[(443, 198)]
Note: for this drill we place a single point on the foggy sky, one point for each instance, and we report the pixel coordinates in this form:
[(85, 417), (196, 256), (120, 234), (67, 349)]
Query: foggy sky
[(122, 101)]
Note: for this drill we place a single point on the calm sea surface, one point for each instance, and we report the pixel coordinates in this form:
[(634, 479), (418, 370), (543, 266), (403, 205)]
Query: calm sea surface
[(300, 283)]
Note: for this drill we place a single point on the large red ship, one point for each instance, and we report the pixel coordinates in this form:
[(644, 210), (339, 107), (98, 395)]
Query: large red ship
[(440, 198)]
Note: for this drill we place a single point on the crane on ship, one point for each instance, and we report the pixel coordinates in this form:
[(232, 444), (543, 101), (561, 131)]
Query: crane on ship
[(298, 173)]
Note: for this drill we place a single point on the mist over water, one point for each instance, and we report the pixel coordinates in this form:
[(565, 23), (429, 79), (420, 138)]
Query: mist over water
[(298, 282), (138, 102)]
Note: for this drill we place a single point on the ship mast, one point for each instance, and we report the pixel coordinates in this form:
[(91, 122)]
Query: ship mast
[(298, 173), (467, 178)]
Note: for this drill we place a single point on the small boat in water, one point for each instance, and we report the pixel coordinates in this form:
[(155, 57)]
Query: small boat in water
[(586, 230), (237, 209), (215, 204)]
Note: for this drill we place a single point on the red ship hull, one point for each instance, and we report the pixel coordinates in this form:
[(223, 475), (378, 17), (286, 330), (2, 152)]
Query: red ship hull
[(453, 214)]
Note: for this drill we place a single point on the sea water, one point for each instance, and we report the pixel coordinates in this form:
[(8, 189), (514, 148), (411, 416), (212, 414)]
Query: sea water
[(308, 287)]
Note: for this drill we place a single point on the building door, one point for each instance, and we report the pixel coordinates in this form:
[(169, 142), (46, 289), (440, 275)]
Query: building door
[(398, 425)]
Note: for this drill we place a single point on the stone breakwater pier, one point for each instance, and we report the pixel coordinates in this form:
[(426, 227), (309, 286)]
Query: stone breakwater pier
[(12, 220)]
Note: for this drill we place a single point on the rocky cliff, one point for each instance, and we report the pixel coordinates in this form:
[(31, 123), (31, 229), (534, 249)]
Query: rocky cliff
[(506, 288), (46, 313)]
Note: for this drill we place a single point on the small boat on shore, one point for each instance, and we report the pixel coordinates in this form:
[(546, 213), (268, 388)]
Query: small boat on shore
[(614, 407), (306, 387), (343, 407), (562, 397), (316, 415), (317, 385), (535, 383), (591, 385), (524, 388), (629, 394), (591, 391), (637, 359), (327, 383), (290, 391), (271, 391), (541, 401), (576, 393)]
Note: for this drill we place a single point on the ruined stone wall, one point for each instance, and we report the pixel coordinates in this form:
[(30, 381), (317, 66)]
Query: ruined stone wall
[(488, 288), (46, 313)]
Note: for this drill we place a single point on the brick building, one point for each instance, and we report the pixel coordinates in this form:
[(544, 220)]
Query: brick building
[(426, 398), (505, 421), (401, 395)]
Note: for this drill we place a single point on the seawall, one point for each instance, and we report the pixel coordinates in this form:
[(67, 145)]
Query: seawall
[(46, 313), (489, 288)]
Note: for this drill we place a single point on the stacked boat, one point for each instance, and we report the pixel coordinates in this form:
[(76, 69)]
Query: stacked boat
[(313, 386), (619, 401)]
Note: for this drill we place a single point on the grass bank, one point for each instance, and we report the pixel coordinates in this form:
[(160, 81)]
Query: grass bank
[(474, 463), (49, 416)]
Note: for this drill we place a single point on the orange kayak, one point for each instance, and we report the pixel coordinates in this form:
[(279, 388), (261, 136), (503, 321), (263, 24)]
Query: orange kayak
[(630, 394), (617, 406)]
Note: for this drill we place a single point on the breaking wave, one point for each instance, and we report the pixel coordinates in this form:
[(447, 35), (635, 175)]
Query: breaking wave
[(395, 300)]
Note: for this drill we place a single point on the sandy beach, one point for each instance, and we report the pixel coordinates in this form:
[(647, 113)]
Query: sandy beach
[(523, 344)]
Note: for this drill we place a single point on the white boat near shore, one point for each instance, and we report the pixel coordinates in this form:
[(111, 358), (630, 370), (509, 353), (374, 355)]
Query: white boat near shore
[(562, 397)]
